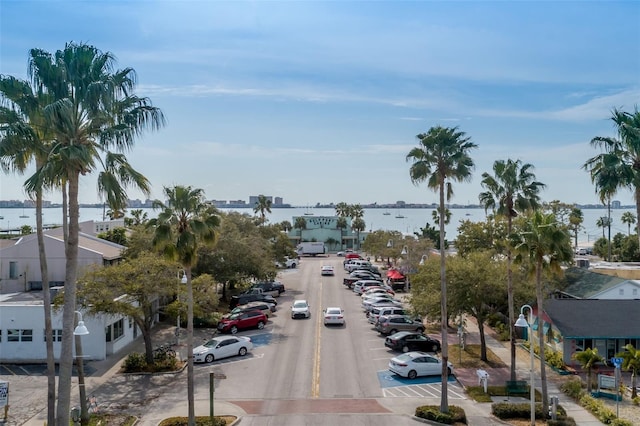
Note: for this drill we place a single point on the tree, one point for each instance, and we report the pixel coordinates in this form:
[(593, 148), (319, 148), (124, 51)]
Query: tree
[(262, 205), (512, 190), (441, 157), (629, 219), (138, 217), (341, 224), (603, 222), (342, 209), (575, 223), (94, 117), (301, 224), (358, 225), (115, 235), (131, 288), (616, 166), (286, 226), (631, 361), (489, 235), (541, 244), (185, 223), (587, 359)]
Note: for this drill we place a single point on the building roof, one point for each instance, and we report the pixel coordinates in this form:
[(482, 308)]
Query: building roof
[(584, 284), (109, 250), (595, 318)]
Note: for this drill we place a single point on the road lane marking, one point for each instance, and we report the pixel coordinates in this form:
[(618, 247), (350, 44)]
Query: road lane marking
[(315, 380)]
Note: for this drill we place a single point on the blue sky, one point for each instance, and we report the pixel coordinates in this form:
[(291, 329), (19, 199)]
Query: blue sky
[(320, 101)]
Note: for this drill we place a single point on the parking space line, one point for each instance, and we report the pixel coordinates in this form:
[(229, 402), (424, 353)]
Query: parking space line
[(412, 390), (428, 390)]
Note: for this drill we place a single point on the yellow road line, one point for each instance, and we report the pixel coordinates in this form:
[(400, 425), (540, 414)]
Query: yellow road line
[(315, 380)]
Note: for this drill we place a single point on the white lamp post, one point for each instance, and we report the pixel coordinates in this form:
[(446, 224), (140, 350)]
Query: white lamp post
[(423, 259), (389, 243), (181, 281), (81, 330), (521, 322)]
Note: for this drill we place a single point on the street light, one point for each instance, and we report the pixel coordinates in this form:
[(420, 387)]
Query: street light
[(521, 322), (423, 259), (81, 330), (405, 251), (389, 243), (182, 281)]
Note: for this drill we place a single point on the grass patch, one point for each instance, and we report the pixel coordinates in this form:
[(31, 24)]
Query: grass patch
[(111, 420), (470, 357), (200, 421)]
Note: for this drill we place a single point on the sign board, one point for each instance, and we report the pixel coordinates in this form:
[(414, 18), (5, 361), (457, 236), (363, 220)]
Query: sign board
[(617, 362), (4, 394), (606, 382), (219, 376)]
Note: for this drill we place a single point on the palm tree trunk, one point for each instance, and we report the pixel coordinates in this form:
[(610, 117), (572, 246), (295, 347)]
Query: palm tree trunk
[(444, 401), (69, 307), (543, 370), (190, 378), (510, 302), (48, 327), (637, 197)]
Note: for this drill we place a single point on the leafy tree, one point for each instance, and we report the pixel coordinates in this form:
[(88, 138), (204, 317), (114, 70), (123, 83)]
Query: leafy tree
[(603, 222), (631, 361), (576, 218), (115, 214), (544, 244), (286, 226), (358, 225), (435, 214), (616, 166), (184, 224), (131, 288), (342, 209), (94, 117), (512, 190), (629, 219), (115, 235), (478, 236), (138, 217), (587, 360), (301, 224), (341, 224), (442, 156), (262, 206)]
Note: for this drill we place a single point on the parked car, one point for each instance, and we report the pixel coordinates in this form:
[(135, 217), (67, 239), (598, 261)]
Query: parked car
[(222, 347), (272, 288), (333, 316), (407, 341), (378, 311), (340, 254), (326, 270), (368, 304), (300, 309), (241, 321), (242, 299), (361, 286), (252, 306), (366, 274), (383, 289), (393, 323), (414, 364), (384, 302)]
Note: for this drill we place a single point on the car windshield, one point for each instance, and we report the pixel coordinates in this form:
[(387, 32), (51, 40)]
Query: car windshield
[(234, 316), (300, 305), (334, 311), (212, 343)]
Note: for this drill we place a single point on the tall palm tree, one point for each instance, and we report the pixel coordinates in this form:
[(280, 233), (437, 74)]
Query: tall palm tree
[(442, 156), (575, 223), (616, 166), (543, 243), (602, 222), (262, 205), (301, 224), (512, 190), (95, 117), (185, 223), (342, 209), (358, 224), (24, 136), (587, 359), (629, 219), (631, 361), (341, 224)]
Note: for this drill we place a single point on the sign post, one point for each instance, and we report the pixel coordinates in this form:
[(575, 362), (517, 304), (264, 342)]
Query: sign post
[(211, 391), (4, 399), (617, 362)]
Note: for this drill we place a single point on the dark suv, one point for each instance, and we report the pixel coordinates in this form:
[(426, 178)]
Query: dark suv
[(242, 320), (243, 299)]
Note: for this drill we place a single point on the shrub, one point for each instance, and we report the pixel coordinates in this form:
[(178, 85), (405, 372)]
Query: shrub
[(636, 400), (200, 421), (562, 422), (134, 362), (573, 387), (506, 410), (432, 412), (555, 360)]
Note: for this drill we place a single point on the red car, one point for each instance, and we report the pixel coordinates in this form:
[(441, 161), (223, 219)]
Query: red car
[(242, 320)]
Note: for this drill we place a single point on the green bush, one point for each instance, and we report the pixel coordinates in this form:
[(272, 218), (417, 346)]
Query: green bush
[(134, 362), (507, 410), (200, 421), (636, 400), (568, 421), (432, 412), (573, 387), (555, 360)]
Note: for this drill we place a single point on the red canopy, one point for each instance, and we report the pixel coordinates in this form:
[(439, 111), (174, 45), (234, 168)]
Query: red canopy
[(394, 274)]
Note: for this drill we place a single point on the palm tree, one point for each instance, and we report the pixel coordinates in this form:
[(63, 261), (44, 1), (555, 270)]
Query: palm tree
[(442, 156), (285, 225), (616, 166), (629, 219), (24, 136), (435, 214), (575, 223), (358, 225), (511, 191), (300, 223), (602, 222), (262, 205), (587, 359), (631, 361), (342, 209), (184, 224), (94, 116), (543, 243), (341, 224)]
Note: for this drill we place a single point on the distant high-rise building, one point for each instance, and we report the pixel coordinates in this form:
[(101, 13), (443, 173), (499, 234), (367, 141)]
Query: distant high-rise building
[(615, 204), (277, 201)]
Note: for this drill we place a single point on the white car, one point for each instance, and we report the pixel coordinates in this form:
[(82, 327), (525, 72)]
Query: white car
[(333, 316), (414, 364), (326, 270), (222, 347), (300, 309)]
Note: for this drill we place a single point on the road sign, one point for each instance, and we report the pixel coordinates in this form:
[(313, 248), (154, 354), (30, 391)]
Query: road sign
[(617, 362), (219, 376)]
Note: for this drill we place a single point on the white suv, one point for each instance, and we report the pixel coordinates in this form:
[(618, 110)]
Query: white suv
[(300, 309)]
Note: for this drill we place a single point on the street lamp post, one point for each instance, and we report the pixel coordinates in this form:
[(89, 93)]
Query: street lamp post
[(78, 332), (180, 281), (521, 322)]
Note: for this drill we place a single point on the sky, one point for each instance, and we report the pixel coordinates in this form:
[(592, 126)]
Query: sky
[(321, 101)]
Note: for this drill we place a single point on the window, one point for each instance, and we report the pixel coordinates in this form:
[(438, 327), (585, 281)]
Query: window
[(13, 270), (15, 335), (635, 292), (114, 331), (57, 335), (621, 292)]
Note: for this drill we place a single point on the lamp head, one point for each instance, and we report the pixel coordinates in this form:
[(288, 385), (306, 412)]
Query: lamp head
[(390, 243), (404, 251), (521, 322), (184, 278), (81, 329)]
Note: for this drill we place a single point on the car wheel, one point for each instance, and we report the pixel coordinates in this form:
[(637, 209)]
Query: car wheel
[(420, 330), (405, 349), (260, 325), (412, 374), (434, 348), (394, 331), (234, 330), (293, 266), (448, 371), (208, 358), (242, 351)]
